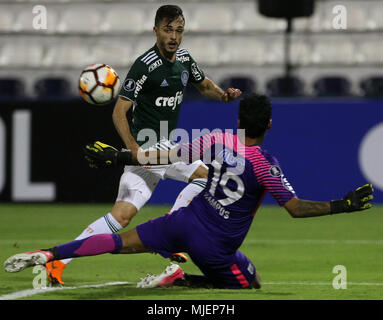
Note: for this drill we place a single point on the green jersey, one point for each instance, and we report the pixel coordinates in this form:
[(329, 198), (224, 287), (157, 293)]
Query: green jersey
[(156, 87)]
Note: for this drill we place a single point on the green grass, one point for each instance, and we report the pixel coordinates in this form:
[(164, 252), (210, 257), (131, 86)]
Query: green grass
[(299, 253)]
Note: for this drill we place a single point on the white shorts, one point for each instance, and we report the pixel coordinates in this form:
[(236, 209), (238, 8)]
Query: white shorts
[(138, 183)]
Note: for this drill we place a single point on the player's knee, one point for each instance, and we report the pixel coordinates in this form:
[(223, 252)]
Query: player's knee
[(124, 213), (200, 173)]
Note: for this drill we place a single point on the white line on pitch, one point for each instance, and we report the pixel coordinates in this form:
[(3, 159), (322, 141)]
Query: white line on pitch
[(248, 241), (32, 292), (321, 283), (313, 241)]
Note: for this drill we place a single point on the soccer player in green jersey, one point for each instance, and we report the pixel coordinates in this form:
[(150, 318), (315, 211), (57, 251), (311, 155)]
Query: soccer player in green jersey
[(151, 95)]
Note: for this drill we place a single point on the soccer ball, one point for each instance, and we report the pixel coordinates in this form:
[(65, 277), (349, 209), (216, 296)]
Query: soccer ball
[(99, 84)]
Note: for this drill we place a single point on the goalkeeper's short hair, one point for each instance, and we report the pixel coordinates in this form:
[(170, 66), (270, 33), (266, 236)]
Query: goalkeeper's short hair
[(254, 114)]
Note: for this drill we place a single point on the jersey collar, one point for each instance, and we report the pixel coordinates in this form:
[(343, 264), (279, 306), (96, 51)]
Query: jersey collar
[(162, 57)]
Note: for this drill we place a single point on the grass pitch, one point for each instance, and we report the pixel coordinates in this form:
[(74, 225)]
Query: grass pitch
[(295, 257)]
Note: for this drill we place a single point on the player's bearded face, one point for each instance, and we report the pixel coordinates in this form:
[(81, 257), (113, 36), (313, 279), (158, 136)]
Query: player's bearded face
[(169, 35)]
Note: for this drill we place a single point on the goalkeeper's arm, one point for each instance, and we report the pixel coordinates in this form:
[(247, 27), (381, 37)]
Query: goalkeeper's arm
[(101, 155), (356, 200)]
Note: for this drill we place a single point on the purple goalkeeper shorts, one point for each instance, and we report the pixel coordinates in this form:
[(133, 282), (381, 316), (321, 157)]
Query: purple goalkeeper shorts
[(181, 231)]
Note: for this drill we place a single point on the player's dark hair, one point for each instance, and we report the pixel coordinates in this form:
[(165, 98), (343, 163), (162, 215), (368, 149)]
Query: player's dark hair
[(168, 12), (254, 114)]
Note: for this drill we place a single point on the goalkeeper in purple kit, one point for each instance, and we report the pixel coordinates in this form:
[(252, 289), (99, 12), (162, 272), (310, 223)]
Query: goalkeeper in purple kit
[(214, 225)]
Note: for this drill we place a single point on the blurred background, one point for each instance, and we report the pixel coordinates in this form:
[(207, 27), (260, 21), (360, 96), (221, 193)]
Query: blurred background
[(319, 61)]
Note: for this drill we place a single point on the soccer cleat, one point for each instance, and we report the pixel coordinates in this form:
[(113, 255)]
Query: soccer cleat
[(54, 271), (163, 280), (20, 261), (178, 257)]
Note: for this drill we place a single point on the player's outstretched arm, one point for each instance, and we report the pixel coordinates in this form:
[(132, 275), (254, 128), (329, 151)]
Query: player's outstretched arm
[(102, 155), (209, 89), (356, 200)]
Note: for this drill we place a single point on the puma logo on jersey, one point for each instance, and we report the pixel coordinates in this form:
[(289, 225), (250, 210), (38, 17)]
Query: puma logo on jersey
[(170, 101), (287, 184)]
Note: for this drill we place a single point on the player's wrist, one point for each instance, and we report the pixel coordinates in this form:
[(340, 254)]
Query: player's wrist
[(123, 158), (338, 206)]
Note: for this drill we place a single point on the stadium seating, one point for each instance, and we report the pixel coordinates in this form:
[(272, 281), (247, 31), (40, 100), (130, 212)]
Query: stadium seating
[(205, 50), (285, 87), (20, 54), (69, 55), (372, 87), (80, 20), (332, 86), (301, 51), (242, 51), (374, 21), (53, 88), (224, 37), (112, 52), (7, 17), (115, 20), (249, 19), (11, 88), (370, 51), (205, 21), (245, 84), (334, 50)]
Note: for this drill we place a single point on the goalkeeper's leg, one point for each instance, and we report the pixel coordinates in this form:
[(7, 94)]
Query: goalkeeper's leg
[(136, 187), (133, 194), (107, 224)]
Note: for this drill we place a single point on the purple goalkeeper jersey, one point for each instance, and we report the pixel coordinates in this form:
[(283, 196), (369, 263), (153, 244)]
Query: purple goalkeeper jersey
[(239, 177)]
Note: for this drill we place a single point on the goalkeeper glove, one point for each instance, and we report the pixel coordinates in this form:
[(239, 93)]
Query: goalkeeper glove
[(101, 155), (356, 200)]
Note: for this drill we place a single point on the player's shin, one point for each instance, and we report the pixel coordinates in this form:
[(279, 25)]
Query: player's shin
[(91, 246), (105, 224)]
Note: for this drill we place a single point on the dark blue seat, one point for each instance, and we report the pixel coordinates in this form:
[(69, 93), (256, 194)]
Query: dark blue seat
[(53, 88), (245, 84), (332, 86), (285, 87), (11, 88), (372, 87), (192, 94)]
